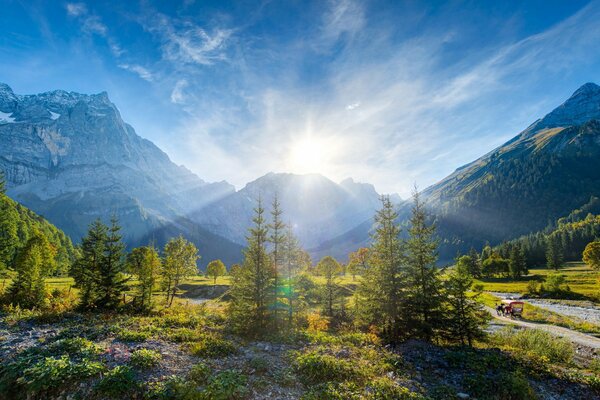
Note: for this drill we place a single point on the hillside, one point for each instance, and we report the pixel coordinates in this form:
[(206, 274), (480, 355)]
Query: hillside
[(17, 225)]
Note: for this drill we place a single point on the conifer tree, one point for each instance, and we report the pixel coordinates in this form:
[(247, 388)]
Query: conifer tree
[(475, 263), (145, 264), (179, 262), (424, 298), (380, 294), (253, 288), (330, 269), (517, 262), (291, 266), (276, 239), (466, 318), (32, 265), (358, 262), (111, 281), (86, 269), (554, 252)]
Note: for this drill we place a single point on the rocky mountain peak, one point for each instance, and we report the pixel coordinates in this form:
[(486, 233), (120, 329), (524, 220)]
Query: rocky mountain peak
[(581, 107)]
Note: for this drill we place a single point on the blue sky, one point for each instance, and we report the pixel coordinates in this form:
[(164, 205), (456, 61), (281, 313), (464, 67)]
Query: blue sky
[(388, 92)]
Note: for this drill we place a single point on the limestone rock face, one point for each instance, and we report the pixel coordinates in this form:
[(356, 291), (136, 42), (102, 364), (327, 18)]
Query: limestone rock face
[(71, 157)]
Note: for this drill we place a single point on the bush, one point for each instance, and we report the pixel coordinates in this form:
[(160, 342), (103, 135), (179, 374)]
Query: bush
[(259, 365), (536, 342), (127, 335), (226, 385), (75, 347), (199, 373), (145, 358), (212, 347), (118, 382), (317, 323), (506, 385), (314, 368), (52, 373)]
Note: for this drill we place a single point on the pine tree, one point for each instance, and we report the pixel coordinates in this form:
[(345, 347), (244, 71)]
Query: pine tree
[(253, 288), (32, 265), (466, 318), (475, 264), (423, 305), (291, 267), (180, 257), (86, 269), (111, 281), (380, 294), (145, 264), (330, 269), (554, 252), (276, 239), (517, 262)]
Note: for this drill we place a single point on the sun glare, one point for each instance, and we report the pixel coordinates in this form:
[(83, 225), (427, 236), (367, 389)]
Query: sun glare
[(310, 155)]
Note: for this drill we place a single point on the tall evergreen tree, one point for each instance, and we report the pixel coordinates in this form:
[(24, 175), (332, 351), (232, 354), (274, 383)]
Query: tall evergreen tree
[(292, 263), (423, 305), (554, 252), (253, 289), (517, 262), (330, 269), (276, 238), (380, 294), (86, 269), (111, 279), (475, 263), (466, 318)]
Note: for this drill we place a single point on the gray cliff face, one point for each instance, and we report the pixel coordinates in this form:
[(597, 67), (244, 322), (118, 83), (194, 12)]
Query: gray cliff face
[(65, 154)]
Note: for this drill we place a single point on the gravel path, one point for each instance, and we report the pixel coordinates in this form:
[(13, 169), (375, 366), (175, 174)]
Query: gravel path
[(574, 336)]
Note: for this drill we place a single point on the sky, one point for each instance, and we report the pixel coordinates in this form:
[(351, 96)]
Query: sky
[(394, 93)]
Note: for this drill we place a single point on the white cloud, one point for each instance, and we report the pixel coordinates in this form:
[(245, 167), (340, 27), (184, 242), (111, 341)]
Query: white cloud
[(185, 42), (139, 70), (76, 9), (177, 94)]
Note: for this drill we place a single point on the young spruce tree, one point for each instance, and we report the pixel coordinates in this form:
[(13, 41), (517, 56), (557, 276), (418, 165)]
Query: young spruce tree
[(253, 288), (380, 295), (424, 297), (111, 279), (276, 238)]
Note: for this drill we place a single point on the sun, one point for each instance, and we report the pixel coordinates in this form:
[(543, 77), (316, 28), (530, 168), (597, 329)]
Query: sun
[(310, 155)]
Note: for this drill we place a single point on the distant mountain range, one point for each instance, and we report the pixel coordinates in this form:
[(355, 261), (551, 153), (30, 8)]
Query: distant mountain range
[(71, 158)]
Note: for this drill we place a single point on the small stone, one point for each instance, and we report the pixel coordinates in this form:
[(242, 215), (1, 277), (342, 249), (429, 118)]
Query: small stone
[(462, 395)]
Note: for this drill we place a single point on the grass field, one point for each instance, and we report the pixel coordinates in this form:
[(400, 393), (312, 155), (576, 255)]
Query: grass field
[(580, 278)]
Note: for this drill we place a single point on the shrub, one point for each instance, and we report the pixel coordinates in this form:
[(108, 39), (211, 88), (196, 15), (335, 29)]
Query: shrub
[(182, 335), (117, 383), (314, 368), (74, 346), (199, 373), (506, 385), (212, 347), (127, 335), (595, 365), (145, 358), (555, 282), (226, 385), (259, 364), (51, 373), (317, 323)]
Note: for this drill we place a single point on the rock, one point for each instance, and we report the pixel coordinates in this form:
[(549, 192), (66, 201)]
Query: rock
[(462, 395)]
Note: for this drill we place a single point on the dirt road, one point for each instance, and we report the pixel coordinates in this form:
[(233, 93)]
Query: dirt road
[(574, 336)]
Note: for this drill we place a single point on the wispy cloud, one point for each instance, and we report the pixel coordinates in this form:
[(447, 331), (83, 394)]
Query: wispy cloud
[(76, 9), (139, 70), (177, 94), (184, 41)]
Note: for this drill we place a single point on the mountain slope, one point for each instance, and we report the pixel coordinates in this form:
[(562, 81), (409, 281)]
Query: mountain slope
[(15, 219), (71, 158), (545, 172)]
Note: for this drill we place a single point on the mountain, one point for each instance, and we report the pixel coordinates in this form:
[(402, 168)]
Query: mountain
[(542, 174), (71, 158), (318, 208)]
